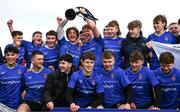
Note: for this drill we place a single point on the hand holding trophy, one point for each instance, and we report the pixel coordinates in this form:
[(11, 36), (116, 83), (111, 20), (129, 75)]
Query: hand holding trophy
[(70, 14)]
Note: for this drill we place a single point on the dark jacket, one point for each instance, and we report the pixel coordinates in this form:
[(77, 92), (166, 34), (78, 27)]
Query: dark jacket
[(178, 39), (55, 88), (129, 44), (1, 57)]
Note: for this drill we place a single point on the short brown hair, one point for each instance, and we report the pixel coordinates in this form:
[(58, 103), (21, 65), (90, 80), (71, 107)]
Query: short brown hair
[(36, 32), (134, 24), (135, 56), (88, 55), (52, 32), (15, 33), (166, 58), (115, 23), (86, 27), (161, 18), (107, 55)]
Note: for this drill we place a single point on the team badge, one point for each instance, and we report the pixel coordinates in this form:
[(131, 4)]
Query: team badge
[(112, 75), (173, 78), (140, 76), (166, 38), (45, 76), (93, 82), (119, 42), (19, 72)]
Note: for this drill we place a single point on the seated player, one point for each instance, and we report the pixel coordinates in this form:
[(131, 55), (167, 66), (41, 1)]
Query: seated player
[(143, 81), (118, 91), (10, 80), (85, 89), (34, 81), (169, 79)]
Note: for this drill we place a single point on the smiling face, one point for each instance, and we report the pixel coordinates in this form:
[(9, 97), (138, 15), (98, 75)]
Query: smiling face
[(134, 32), (11, 58), (88, 34), (108, 63), (88, 65), (166, 68), (51, 40), (136, 65), (174, 29), (106, 32), (72, 36), (17, 40), (64, 66), (38, 61), (159, 26), (37, 39)]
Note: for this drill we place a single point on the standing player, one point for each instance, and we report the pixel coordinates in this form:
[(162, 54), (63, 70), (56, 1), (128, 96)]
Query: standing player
[(113, 42), (36, 43), (71, 46), (134, 41), (94, 43), (174, 29), (51, 50), (10, 80), (34, 82), (143, 81), (85, 89), (17, 42), (160, 35), (169, 80)]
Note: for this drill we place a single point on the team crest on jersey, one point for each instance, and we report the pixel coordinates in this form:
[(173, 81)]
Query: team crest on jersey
[(19, 72), (166, 38), (119, 42), (173, 78), (45, 76), (93, 82), (140, 76), (112, 75)]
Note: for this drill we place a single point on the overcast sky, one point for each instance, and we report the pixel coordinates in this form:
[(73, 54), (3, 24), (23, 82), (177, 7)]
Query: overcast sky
[(33, 15)]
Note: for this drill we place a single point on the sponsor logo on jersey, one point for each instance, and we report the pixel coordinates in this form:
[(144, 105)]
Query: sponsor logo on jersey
[(29, 77), (3, 72), (173, 78)]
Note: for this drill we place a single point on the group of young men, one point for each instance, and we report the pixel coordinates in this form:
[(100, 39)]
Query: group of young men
[(85, 71)]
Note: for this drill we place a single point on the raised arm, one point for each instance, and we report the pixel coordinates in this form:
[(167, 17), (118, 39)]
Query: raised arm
[(10, 25), (61, 24), (92, 24)]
